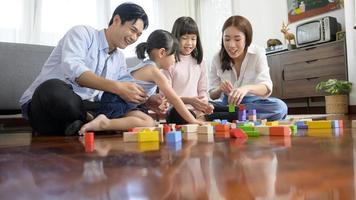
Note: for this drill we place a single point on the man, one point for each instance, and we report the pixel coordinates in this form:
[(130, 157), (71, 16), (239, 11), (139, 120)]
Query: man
[(85, 63)]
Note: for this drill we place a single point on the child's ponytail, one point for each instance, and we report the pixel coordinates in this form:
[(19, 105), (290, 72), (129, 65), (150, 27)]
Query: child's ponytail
[(141, 50)]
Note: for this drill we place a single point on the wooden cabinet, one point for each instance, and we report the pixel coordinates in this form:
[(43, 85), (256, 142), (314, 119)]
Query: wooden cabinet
[(295, 73)]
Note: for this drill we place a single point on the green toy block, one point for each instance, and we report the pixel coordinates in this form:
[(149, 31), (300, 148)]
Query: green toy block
[(232, 108)]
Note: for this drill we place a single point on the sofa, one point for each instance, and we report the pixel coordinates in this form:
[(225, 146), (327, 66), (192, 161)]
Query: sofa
[(20, 64)]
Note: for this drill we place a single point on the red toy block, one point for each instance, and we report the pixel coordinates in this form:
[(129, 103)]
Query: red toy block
[(166, 128), (279, 131), (242, 107), (341, 124), (89, 141), (237, 133)]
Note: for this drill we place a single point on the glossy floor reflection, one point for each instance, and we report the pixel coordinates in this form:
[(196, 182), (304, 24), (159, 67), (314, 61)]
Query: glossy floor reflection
[(310, 165)]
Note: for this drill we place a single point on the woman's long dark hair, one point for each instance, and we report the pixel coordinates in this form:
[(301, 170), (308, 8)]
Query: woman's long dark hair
[(242, 24)]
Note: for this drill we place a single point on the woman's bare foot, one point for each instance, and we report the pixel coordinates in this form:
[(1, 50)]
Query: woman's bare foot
[(97, 124)]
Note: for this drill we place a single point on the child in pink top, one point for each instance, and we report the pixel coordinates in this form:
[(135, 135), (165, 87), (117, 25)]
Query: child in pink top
[(188, 75)]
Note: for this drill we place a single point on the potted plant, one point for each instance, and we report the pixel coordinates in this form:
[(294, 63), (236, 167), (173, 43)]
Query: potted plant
[(337, 100)]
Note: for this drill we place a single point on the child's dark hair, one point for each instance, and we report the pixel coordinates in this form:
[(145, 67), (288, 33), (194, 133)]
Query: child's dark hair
[(130, 12), (186, 25), (158, 39)]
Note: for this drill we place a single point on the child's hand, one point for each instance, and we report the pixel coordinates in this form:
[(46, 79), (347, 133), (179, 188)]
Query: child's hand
[(226, 87), (209, 109), (199, 103)]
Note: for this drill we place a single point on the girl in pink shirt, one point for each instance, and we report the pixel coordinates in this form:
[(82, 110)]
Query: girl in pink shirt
[(188, 75)]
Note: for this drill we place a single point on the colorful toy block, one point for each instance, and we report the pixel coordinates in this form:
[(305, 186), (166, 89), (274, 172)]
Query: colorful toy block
[(188, 128), (321, 124), (130, 136), (148, 136), (190, 136), (206, 129), (252, 133), (174, 136), (237, 133), (89, 142), (242, 115), (264, 130), (279, 131), (353, 124), (222, 128), (232, 108), (272, 123), (206, 138), (222, 134), (148, 146), (166, 128), (224, 121), (175, 146)]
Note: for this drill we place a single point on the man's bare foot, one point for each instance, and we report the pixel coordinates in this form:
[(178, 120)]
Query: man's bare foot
[(97, 124)]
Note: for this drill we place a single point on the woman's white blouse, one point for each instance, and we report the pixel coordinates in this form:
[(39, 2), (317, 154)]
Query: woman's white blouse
[(254, 70)]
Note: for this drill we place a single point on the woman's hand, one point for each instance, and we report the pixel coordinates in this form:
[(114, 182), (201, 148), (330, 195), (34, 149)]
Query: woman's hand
[(226, 87), (236, 95)]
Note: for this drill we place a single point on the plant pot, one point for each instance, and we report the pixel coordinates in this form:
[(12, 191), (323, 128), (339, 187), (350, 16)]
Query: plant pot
[(337, 104)]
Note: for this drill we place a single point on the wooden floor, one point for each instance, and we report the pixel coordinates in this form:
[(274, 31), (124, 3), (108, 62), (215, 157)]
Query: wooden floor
[(317, 164)]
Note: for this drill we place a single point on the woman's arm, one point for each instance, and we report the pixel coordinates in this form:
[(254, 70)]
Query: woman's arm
[(214, 79)]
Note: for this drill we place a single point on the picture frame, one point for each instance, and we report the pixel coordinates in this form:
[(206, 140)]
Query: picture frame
[(302, 9)]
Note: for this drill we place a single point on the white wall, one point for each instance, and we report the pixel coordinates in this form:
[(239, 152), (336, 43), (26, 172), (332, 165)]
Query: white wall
[(350, 22)]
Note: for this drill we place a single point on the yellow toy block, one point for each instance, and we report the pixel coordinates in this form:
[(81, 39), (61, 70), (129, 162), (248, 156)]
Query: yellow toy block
[(148, 136), (324, 124), (273, 123), (138, 129), (148, 146), (264, 130), (206, 129), (130, 136)]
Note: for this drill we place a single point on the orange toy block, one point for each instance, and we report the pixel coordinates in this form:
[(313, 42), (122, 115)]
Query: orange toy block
[(273, 123), (166, 128), (222, 128), (279, 131), (237, 133), (222, 134)]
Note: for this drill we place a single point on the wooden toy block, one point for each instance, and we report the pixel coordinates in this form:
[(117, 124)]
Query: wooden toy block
[(272, 123), (279, 131), (178, 127), (353, 124), (335, 123), (232, 108), (166, 128), (206, 138), (206, 129), (188, 128), (242, 107), (148, 136), (237, 133), (251, 112), (252, 117), (322, 133), (130, 136), (174, 136), (89, 142), (138, 129), (293, 128), (341, 124), (222, 134), (252, 133), (190, 136), (264, 130), (224, 121), (148, 146), (172, 126), (222, 128), (319, 124), (233, 125), (175, 146), (247, 128), (286, 122), (241, 115)]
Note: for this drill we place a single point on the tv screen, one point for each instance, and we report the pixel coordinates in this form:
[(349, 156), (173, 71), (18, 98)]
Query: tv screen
[(309, 32)]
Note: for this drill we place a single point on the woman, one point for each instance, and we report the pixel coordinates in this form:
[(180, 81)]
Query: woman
[(240, 74)]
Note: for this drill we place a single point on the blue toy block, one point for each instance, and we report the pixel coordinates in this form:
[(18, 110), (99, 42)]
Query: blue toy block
[(242, 115), (175, 146), (335, 123), (224, 121), (217, 120), (174, 136)]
